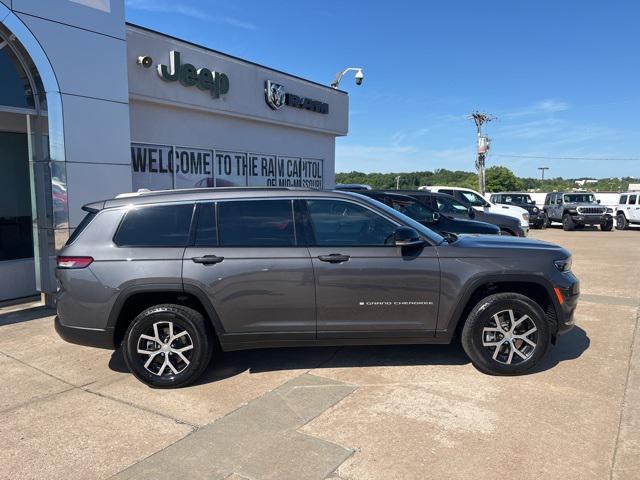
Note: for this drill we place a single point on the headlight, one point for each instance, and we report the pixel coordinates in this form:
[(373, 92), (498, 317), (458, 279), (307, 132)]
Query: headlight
[(609, 210), (525, 216), (564, 265), (535, 210)]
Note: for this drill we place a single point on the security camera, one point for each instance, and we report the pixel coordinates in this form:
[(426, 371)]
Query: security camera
[(359, 77), (145, 61)]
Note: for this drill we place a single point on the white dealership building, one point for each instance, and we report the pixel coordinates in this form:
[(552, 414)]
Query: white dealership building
[(91, 107)]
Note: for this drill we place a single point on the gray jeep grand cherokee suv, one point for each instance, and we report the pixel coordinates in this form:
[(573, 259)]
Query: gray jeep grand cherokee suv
[(169, 275)]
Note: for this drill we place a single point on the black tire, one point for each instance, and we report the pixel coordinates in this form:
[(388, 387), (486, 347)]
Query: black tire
[(542, 224), (182, 319), (607, 224), (546, 222), (567, 223), (482, 316), (621, 222)]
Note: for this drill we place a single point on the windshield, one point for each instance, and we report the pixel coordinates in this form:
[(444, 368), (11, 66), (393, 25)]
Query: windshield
[(473, 198), (579, 198), (518, 198), (451, 206), (402, 218)]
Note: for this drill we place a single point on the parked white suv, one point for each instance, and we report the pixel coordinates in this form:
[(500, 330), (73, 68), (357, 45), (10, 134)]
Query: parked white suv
[(628, 211), (474, 199)]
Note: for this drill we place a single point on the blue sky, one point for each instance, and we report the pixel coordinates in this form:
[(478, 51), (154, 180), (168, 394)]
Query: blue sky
[(561, 76)]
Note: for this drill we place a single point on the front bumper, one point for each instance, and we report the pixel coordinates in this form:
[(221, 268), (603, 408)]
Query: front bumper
[(580, 219), (85, 336), (567, 300)]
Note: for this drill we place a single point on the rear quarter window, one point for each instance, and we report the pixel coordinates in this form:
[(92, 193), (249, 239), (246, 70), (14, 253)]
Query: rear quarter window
[(155, 226), (81, 226)]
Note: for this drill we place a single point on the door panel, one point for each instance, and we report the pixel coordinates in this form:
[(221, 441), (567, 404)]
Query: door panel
[(376, 290), (256, 289), (246, 260), (365, 285)]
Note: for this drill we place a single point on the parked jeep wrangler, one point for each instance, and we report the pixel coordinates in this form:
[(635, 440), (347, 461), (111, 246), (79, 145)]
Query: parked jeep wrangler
[(575, 210), (522, 200)]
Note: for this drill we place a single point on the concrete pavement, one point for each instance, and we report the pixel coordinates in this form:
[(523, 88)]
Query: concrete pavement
[(400, 412)]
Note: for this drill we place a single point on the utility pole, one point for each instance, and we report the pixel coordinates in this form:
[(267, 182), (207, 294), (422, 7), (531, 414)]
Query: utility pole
[(398, 182), (479, 119), (542, 169)]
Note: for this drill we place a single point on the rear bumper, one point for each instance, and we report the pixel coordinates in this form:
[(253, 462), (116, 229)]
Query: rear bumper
[(85, 336)]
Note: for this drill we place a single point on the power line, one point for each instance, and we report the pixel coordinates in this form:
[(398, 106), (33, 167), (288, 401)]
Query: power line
[(540, 157)]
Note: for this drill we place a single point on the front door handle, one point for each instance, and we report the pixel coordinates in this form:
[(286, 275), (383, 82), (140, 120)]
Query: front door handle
[(333, 258), (207, 259)]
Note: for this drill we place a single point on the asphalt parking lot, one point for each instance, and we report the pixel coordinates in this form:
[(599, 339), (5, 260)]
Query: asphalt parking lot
[(395, 412)]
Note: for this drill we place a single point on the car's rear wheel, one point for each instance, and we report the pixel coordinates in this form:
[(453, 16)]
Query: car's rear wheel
[(168, 346), (506, 334), (606, 225), (568, 223), (546, 222), (621, 222)]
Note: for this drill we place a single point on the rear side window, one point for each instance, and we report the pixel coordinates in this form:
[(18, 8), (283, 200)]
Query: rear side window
[(623, 199), (632, 199), (448, 192), (256, 223), (207, 230), (83, 224), (155, 226)]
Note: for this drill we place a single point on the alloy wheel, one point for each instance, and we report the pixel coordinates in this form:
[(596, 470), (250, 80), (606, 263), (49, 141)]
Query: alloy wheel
[(510, 336), (165, 349)]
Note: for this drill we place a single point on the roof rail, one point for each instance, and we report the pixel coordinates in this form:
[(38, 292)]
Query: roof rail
[(144, 192)]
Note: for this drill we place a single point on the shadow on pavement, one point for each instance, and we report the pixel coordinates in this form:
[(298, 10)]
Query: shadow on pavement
[(228, 364), (570, 346), (24, 315)]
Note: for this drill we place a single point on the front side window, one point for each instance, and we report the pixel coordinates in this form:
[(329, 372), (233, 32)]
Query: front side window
[(473, 199), (155, 226), (412, 209), (256, 223), (623, 199), (340, 223), (451, 206)]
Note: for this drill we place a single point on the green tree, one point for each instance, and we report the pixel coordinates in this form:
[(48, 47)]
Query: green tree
[(501, 179)]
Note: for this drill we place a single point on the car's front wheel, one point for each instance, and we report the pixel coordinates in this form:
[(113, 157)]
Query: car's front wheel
[(168, 346), (621, 222), (506, 334), (568, 224), (607, 224)]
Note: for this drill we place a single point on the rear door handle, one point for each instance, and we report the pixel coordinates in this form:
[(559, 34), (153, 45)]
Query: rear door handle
[(207, 259), (333, 258)]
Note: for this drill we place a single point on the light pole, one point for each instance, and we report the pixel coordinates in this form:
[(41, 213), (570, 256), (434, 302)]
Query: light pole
[(542, 169), (479, 119), (398, 182), (359, 76)]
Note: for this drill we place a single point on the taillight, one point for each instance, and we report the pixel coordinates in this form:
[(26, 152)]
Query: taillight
[(74, 262)]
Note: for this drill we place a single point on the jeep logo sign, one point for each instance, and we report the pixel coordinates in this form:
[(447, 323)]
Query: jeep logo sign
[(215, 82)]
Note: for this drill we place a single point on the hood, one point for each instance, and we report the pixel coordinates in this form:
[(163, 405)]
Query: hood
[(501, 242), (510, 208)]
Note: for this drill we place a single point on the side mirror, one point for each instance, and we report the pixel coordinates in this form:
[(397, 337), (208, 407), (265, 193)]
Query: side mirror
[(407, 237), (472, 213), (598, 201)]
